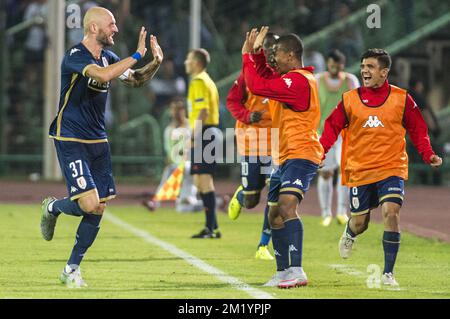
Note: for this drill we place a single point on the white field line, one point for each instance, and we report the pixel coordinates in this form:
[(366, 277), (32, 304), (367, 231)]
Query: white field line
[(194, 261)]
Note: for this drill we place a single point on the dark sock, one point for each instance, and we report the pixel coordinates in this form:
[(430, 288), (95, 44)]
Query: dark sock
[(266, 232), (281, 247), (209, 202), (349, 231), (240, 197), (391, 244), (294, 230), (66, 206), (86, 234)]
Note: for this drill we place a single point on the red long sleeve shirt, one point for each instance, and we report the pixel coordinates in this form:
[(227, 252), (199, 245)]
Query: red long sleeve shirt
[(291, 88), (235, 101), (412, 121)]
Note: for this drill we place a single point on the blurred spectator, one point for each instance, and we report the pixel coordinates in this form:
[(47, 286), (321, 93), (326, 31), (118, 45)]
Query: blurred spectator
[(349, 40), (75, 35), (35, 42), (314, 58), (164, 86), (176, 146), (417, 92)]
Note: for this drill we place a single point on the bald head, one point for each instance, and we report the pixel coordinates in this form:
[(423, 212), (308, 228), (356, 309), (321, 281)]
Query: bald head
[(100, 22)]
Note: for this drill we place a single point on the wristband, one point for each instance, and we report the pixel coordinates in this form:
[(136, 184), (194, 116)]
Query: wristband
[(137, 56)]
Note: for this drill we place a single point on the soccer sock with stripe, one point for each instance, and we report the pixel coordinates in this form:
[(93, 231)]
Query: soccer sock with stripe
[(325, 194), (281, 248), (240, 197), (86, 233), (266, 232), (391, 244), (209, 202), (66, 206), (348, 230), (294, 230)]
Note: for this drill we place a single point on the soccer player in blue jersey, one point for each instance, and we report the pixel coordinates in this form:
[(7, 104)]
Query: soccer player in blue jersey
[(79, 132)]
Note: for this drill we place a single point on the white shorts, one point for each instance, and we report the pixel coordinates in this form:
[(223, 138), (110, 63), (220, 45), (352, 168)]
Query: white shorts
[(333, 158)]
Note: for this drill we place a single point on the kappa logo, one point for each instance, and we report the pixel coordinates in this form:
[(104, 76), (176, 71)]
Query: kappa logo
[(276, 253), (373, 121), (288, 82), (298, 182), (74, 50), (292, 248), (265, 101), (73, 189)]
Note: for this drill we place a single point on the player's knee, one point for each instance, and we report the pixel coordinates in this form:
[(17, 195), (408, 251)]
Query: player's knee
[(250, 201), (89, 204), (325, 174), (287, 206), (360, 225), (275, 220), (100, 209)]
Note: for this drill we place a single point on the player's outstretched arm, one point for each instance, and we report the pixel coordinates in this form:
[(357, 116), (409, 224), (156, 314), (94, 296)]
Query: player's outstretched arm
[(106, 74), (139, 77)]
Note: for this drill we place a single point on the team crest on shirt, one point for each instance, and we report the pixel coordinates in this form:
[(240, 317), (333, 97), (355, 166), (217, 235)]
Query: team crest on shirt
[(373, 122), (81, 181), (355, 202)]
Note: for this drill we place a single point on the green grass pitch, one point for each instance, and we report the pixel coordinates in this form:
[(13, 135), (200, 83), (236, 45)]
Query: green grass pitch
[(122, 265)]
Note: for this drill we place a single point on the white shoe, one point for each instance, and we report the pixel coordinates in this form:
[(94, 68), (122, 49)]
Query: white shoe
[(388, 280), (277, 278), (72, 278), (326, 221), (296, 277), (346, 244)]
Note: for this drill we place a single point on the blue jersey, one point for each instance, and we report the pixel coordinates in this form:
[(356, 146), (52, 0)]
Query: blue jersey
[(82, 102)]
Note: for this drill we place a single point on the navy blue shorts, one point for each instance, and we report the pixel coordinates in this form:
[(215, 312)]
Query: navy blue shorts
[(255, 171), (203, 153), (86, 167), (366, 197), (293, 177)]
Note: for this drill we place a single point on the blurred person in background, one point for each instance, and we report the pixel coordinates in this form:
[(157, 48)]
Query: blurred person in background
[(176, 145), (203, 105), (165, 85), (332, 84)]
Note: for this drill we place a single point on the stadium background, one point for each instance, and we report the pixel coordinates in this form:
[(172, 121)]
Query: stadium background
[(416, 33)]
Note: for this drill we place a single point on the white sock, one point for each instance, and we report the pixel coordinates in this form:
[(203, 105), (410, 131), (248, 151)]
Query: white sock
[(50, 207), (342, 197), (325, 192)]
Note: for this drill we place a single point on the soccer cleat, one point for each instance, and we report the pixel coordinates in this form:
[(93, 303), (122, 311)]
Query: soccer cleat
[(277, 278), (234, 208), (346, 244), (296, 277), (342, 219), (206, 233), (263, 253), (48, 220), (388, 279), (326, 221), (72, 278)]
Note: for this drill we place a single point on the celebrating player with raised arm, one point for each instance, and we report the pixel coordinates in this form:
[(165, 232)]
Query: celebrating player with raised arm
[(295, 112), (375, 163), (79, 130), (253, 126)]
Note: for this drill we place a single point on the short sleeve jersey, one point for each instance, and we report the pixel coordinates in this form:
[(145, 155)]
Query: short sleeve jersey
[(82, 103)]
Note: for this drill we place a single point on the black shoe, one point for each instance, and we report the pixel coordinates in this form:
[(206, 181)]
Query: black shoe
[(206, 233)]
